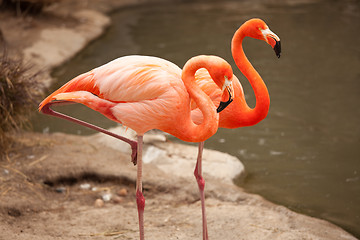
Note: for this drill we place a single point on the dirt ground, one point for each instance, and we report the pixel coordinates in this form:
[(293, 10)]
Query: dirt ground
[(53, 186), (58, 186)]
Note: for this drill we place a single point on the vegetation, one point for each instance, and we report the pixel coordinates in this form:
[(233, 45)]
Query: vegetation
[(23, 7), (19, 95)]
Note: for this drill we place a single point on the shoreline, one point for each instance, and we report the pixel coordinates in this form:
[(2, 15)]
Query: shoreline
[(230, 209)]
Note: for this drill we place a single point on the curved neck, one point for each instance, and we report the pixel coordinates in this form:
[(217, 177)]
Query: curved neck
[(188, 130), (259, 112)]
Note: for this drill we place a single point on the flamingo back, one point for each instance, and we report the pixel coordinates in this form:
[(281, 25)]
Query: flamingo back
[(135, 78)]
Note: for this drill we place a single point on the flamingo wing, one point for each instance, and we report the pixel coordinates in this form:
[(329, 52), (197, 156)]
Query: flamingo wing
[(126, 79), (136, 91)]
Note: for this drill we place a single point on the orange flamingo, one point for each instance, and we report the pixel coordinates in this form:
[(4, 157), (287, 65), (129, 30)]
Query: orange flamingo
[(238, 113), (146, 93)]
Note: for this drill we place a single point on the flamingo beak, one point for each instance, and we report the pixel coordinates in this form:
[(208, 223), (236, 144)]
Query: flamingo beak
[(230, 92), (277, 48), (273, 40)]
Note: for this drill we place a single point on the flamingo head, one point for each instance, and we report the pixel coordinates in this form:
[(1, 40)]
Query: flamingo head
[(223, 77), (257, 28), (220, 71), (228, 93)]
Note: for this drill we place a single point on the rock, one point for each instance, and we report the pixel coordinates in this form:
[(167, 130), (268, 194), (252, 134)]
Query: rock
[(106, 196), (180, 159), (85, 186), (177, 158), (99, 203), (122, 192), (117, 199), (115, 143), (60, 189)]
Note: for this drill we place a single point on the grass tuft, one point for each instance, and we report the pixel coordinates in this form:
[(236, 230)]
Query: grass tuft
[(26, 7), (19, 95)]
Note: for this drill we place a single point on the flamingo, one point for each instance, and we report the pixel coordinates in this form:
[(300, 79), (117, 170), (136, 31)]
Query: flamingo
[(144, 93), (237, 114)]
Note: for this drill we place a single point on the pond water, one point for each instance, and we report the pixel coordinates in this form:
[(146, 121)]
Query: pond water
[(306, 154)]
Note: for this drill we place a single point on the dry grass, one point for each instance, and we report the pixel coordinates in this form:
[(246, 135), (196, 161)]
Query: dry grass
[(19, 95), (24, 7)]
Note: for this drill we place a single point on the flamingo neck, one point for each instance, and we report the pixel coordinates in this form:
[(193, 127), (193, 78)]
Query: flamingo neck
[(189, 131), (259, 112)]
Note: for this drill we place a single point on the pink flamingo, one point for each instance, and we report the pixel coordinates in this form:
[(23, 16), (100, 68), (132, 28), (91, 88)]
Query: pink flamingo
[(146, 93), (238, 113)]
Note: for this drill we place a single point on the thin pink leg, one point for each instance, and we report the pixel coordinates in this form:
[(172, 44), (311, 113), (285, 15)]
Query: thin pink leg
[(140, 200), (47, 110), (201, 183)]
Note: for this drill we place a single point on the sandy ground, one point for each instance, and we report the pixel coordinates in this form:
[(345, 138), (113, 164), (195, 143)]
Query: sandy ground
[(56, 186), (50, 185)]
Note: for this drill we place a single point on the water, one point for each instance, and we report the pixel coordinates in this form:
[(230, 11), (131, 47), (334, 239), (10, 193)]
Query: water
[(305, 155)]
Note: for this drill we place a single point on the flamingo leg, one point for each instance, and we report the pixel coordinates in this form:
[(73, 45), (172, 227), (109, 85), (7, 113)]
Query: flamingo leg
[(140, 200), (201, 184), (47, 110)]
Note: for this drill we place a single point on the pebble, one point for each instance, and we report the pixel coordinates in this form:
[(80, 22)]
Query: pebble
[(85, 186), (60, 189), (106, 197), (99, 203), (117, 199), (122, 192)]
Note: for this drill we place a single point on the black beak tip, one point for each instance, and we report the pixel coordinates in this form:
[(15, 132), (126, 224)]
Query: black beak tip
[(277, 49), (223, 105)]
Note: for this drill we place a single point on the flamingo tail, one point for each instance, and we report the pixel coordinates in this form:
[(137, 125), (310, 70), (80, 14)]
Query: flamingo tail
[(83, 82)]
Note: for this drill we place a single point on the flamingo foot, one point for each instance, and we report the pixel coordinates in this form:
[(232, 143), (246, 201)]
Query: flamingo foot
[(134, 153)]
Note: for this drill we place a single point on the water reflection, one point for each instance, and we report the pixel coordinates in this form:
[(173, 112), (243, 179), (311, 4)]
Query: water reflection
[(305, 154)]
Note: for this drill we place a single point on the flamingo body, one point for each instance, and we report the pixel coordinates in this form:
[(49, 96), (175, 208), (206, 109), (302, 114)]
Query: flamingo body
[(140, 92)]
